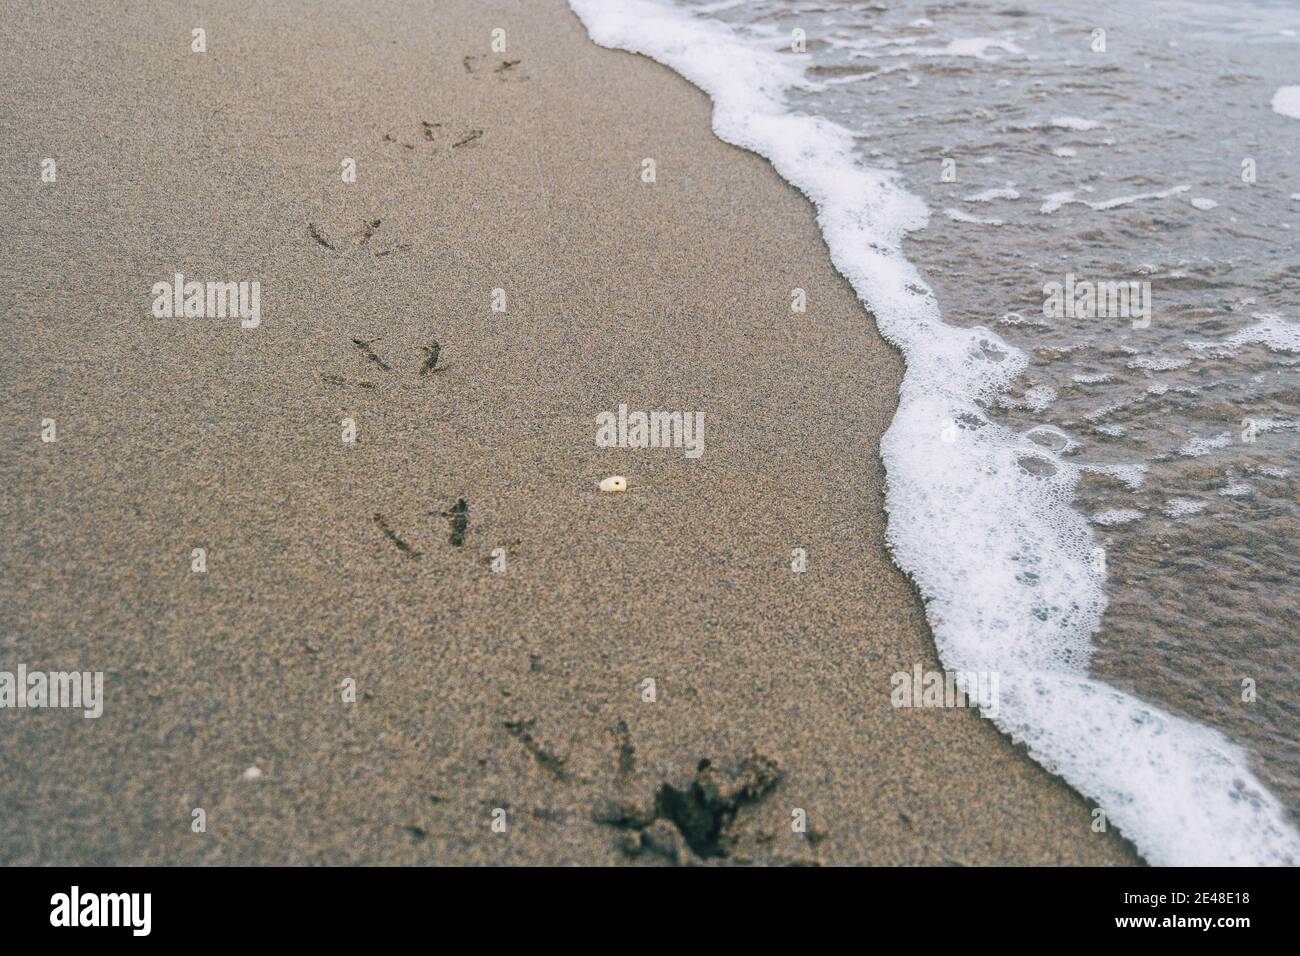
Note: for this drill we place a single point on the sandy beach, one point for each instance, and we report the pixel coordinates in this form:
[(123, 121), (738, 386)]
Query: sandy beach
[(377, 563)]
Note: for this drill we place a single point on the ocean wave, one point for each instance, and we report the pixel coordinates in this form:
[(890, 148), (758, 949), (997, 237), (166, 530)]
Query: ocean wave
[(1009, 571)]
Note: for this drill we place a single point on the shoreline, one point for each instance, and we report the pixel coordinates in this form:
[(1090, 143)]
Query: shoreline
[(476, 690)]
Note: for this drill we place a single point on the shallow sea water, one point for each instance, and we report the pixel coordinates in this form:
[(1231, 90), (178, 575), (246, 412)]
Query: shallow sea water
[(1050, 140), (1200, 523)]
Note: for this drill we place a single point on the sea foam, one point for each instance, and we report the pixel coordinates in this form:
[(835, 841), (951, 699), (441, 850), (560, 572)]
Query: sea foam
[(1286, 101), (1008, 570)]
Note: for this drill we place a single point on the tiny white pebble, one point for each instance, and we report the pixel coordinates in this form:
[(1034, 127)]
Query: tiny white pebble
[(614, 483), (252, 773)]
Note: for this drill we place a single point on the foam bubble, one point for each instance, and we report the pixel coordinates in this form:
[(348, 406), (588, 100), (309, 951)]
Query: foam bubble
[(1116, 516), (1131, 475), (1287, 101), (1197, 447), (956, 215), (1270, 330), (975, 47), (1159, 363), (1178, 507), (1055, 201), (988, 195), (1076, 123)]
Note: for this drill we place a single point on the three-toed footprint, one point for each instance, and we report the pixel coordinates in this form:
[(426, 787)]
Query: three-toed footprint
[(371, 349), (431, 137), (495, 67), (372, 235)]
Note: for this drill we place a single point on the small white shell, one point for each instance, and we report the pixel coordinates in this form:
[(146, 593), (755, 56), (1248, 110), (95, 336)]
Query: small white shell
[(614, 483)]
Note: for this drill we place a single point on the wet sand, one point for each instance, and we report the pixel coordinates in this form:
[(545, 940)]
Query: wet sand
[(520, 690)]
